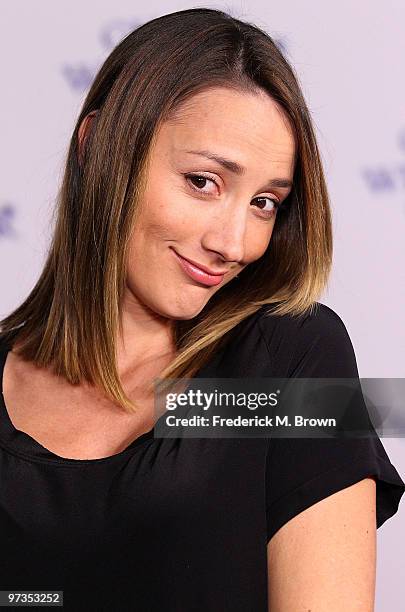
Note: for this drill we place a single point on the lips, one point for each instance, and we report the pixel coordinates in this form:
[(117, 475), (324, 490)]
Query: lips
[(198, 272)]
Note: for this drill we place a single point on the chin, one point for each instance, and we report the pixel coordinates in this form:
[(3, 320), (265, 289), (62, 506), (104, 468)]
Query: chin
[(183, 312)]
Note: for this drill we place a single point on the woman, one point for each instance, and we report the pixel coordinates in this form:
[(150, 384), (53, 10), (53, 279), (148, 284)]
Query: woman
[(192, 239)]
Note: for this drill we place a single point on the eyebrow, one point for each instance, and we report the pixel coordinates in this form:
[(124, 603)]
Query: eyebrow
[(236, 168)]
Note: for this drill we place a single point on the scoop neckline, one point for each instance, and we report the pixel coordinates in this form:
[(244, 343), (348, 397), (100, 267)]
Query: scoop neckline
[(22, 443)]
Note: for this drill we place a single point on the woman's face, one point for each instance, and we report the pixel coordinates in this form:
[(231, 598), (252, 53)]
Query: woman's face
[(219, 215)]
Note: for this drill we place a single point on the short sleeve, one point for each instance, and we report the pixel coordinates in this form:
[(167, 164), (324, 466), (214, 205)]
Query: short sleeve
[(303, 471)]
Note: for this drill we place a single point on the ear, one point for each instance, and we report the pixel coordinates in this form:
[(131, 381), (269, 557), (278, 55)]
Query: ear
[(84, 130)]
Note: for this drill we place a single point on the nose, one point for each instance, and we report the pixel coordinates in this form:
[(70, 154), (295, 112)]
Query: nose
[(226, 233)]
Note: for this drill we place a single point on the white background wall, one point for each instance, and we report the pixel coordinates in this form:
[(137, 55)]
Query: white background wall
[(350, 59)]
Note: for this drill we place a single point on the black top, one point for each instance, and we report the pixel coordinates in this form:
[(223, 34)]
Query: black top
[(181, 524)]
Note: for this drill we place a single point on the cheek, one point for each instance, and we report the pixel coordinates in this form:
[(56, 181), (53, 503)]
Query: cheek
[(258, 241), (153, 227), (168, 216)]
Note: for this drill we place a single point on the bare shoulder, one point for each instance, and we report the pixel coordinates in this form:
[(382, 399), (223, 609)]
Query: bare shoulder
[(324, 558)]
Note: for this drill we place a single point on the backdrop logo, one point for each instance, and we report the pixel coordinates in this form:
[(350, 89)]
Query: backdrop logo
[(387, 178), (80, 76), (7, 214)]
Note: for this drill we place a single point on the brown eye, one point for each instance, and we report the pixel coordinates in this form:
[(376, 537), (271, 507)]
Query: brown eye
[(198, 181), (275, 204)]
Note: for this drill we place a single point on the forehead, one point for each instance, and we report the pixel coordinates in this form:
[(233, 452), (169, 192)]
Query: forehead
[(245, 126)]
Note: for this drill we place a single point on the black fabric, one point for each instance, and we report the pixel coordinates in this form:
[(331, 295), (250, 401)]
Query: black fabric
[(183, 524)]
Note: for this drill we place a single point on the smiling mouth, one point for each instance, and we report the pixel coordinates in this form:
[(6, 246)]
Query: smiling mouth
[(197, 274)]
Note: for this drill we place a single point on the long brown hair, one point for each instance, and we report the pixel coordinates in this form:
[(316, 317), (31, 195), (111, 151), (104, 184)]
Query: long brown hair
[(70, 318)]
